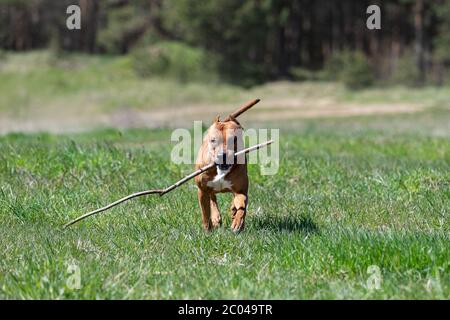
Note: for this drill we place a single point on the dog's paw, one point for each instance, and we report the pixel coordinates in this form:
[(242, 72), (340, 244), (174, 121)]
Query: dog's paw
[(207, 227), (216, 221), (238, 222)]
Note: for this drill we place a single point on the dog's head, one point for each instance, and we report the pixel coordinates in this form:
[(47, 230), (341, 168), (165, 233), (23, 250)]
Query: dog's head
[(224, 139)]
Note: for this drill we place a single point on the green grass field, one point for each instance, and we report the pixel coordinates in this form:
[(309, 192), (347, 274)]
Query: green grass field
[(346, 197), (354, 193)]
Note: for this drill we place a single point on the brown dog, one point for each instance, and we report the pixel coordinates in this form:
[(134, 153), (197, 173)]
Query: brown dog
[(221, 142)]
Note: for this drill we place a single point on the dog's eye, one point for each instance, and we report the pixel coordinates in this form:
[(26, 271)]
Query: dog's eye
[(213, 140)]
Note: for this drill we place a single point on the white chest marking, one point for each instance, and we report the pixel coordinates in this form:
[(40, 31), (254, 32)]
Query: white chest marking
[(219, 182)]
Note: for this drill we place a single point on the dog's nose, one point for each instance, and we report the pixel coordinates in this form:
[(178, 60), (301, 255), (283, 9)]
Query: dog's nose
[(221, 157)]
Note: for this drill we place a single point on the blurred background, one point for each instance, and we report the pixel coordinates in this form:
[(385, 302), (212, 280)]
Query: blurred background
[(160, 63)]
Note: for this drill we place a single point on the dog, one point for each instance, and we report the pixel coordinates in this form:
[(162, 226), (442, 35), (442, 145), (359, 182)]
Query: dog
[(221, 142)]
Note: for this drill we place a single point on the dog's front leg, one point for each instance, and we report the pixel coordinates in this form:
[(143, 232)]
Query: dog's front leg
[(216, 219), (240, 205), (204, 201), (232, 208)]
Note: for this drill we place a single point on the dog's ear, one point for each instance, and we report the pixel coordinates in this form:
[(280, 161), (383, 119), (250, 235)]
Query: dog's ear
[(216, 119)]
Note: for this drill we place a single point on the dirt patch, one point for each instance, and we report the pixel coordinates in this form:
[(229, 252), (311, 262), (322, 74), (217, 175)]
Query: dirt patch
[(183, 116)]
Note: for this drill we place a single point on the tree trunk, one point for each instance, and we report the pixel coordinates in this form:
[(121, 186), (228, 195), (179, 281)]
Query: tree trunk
[(419, 40), (89, 11)]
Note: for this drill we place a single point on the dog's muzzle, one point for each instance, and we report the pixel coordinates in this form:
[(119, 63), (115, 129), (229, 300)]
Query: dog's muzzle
[(224, 163)]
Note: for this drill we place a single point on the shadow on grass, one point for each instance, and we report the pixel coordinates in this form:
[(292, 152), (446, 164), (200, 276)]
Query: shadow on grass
[(286, 223)]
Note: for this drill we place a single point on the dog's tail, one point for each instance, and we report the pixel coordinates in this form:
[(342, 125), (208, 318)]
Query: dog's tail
[(242, 109)]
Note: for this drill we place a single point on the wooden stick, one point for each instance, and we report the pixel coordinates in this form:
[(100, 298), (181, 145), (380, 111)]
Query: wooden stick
[(241, 110), (162, 192)]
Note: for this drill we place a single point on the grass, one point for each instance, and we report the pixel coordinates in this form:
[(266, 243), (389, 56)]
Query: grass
[(346, 197)]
